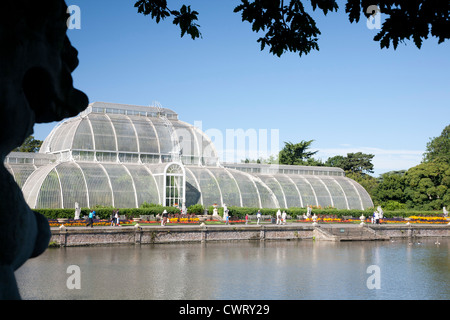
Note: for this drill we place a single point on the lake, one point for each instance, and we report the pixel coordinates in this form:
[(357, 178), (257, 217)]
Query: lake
[(270, 270)]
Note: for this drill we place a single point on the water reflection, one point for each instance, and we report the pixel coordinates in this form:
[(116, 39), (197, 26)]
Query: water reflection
[(242, 270)]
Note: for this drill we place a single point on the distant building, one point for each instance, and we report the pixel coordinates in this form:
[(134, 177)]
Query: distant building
[(123, 155)]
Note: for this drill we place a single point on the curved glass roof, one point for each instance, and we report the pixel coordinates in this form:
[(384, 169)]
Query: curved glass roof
[(122, 156), (60, 185), (127, 133)]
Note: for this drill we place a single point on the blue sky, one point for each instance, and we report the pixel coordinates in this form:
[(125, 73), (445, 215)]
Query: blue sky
[(350, 96)]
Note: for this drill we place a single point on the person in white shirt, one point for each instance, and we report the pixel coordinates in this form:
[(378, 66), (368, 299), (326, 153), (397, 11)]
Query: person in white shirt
[(283, 217), (278, 217), (258, 216)]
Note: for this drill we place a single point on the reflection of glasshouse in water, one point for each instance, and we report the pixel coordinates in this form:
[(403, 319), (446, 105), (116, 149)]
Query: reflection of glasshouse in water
[(122, 156)]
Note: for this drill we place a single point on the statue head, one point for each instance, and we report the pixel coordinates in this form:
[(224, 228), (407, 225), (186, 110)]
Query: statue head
[(36, 62)]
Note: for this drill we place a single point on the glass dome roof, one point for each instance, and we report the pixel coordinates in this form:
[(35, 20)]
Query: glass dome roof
[(123, 155), (130, 134)]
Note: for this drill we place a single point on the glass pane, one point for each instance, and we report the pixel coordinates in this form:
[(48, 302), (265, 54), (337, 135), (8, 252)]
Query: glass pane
[(272, 183), (365, 197), (148, 142), (268, 199), (249, 194), (208, 186), (73, 185), (50, 192), (63, 136), (126, 136), (145, 184), (336, 192), (83, 138), (193, 195), (353, 199), (20, 172), (290, 192), (306, 190), (122, 185), (98, 185), (229, 187), (323, 197), (103, 132), (163, 135), (186, 139)]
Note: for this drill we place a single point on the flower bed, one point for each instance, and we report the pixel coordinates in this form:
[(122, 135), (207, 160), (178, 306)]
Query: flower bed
[(329, 220), (183, 220), (412, 219), (78, 223), (195, 220), (105, 222), (415, 219)]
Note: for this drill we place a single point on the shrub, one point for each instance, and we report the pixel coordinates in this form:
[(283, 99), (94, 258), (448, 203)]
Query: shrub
[(106, 212), (196, 209), (219, 210), (394, 205), (237, 212)]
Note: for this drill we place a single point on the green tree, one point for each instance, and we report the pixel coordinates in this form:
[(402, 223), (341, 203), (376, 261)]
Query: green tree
[(287, 26), (438, 148), (390, 187), (427, 186), (358, 162), (296, 154), (336, 161), (29, 145)]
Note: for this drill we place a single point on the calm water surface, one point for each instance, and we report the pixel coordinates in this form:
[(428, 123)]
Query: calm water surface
[(281, 270)]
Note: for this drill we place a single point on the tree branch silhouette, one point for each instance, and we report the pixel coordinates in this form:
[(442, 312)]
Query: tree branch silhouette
[(289, 28)]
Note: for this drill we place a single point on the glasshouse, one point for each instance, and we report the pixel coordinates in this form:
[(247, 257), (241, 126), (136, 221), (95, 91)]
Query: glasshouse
[(123, 155)]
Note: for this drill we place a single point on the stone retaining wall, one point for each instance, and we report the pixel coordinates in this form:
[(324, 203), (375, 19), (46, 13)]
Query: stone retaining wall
[(405, 232), (146, 235), (149, 235)]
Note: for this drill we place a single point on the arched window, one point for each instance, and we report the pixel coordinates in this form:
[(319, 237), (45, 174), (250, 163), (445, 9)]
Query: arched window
[(175, 181)]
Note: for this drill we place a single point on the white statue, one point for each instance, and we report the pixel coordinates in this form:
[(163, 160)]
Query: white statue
[(77, 211), (308, 212), (380, 212), (444, 210)]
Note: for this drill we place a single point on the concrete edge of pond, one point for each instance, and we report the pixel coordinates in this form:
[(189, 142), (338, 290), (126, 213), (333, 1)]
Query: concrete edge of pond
[(135, 235)]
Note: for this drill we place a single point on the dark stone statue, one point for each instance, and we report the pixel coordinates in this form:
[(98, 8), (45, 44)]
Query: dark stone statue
[(36, 62)]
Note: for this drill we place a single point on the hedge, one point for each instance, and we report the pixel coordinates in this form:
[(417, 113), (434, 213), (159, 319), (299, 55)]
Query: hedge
[(105, 213), (339, 213), (239, 212)]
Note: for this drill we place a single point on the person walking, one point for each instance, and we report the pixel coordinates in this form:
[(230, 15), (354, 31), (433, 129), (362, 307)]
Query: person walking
[(164, 219), (376, 217), (113, 218), (117, 218), (278, 216), (246, 218), (258, 217), (91, 219), (283, 217)]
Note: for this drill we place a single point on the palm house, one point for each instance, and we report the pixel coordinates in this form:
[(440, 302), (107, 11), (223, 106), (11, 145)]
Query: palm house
[(124, 155)]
